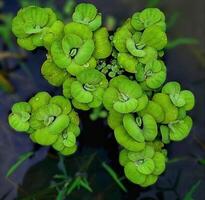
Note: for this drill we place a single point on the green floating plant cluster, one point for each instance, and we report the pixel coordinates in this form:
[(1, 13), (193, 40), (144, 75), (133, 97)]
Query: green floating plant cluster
[(48, 121), (122, 71)]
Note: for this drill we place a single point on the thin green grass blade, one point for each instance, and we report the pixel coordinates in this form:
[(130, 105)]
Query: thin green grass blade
[(18, 163), (152, 3), (172, 20), (5, 84), (178, 159), (114, 175), (59, 176), (69, 7), (60, 195), (189, 194), (181, 41), (71, 187), (202, 161), (61, 165), (85, 184)]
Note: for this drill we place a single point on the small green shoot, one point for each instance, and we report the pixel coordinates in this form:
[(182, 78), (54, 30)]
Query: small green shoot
[(61, 165), (114, 175), (177, 159), (181, 41), (152, 3), (5, 85), (5, 29), (77, 183), (69, 7), (18, 163), (201, 161), (172, 20), (189, 194), (71, 184)]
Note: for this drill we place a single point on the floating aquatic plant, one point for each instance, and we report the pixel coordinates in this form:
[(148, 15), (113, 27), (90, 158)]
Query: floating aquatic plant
[(53, 74), (87, 14), (30, 25), (152, 75), (48, 121), (148, 17), (143, 167), (124, 95), (121, 72), (140, 39)]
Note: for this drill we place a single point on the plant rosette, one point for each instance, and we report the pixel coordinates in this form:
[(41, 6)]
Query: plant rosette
[(124, 96), (144, 167), (53, 74), (32, 23), (86, 91), (46, 119), (138, 47), (152, 75), (132, 131)]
